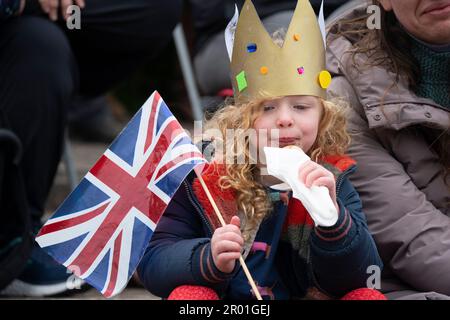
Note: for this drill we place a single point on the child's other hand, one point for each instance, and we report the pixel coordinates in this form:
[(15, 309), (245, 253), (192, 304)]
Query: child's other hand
[(313, 174), (226, 245)]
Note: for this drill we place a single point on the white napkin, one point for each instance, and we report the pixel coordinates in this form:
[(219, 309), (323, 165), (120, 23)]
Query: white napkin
[(284, 164)]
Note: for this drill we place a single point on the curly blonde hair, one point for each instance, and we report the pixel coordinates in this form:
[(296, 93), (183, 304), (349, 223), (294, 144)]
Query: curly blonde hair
[(251, 196)]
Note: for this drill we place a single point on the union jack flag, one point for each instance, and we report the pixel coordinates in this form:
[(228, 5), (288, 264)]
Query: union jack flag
[(100, 232)]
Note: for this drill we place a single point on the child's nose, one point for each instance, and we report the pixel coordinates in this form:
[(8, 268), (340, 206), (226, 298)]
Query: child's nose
[(284, 120)]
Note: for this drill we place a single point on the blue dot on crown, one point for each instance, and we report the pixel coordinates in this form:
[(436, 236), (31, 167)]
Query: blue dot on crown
[(251, 47)]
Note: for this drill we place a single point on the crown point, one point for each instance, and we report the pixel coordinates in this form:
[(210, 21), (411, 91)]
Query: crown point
[(251, 47), (301, 70), (324, 79), (264, 70), (297, 37), (241, 81)]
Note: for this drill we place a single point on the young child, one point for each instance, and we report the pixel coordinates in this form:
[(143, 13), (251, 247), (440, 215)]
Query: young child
[(287, 255)]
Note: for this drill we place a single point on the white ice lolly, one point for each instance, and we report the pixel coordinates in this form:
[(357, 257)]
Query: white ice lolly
[(284, 163)]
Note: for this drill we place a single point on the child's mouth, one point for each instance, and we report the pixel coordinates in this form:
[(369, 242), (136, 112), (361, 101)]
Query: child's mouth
[(283, 142)]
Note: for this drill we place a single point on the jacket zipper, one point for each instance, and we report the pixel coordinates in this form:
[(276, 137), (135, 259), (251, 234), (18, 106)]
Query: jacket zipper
[(341, 177), (197, 206)]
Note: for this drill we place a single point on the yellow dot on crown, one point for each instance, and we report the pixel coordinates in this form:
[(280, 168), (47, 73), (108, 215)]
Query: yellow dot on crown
[(297, 37), (324, 79), (264, 70)]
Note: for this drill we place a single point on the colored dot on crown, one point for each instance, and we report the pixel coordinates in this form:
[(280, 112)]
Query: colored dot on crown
[(251, 47)]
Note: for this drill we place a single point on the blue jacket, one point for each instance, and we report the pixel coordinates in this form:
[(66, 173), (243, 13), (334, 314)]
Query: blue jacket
[(336, 261)]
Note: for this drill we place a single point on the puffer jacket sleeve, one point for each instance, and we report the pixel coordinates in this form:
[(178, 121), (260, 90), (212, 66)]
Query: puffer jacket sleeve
[(179, 251), (342, 254), (411, 233)]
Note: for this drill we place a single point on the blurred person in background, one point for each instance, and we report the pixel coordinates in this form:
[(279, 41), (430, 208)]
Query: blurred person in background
[(45, 69), (397, 79)]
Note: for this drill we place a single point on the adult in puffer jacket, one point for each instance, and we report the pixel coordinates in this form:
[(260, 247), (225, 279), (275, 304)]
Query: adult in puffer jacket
[(397, 80)]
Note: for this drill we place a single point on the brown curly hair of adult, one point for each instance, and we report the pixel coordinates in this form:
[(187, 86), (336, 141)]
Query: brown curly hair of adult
[(390, 47), (251, 196)]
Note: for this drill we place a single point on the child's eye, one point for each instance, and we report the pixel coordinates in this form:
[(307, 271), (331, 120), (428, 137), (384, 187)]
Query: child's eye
[(268, 108), (300, 107)]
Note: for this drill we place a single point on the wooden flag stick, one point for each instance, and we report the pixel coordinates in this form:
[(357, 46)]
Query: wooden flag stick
[(219, 215)]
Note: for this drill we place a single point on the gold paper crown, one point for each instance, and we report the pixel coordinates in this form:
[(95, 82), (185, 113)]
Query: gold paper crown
[(261, 69)]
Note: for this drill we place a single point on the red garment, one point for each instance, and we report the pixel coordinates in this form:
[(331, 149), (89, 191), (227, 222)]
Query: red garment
[(193, 293), (205, 293)]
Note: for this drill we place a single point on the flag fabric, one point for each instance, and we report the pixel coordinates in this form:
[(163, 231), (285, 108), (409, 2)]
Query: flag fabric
[(101, 231)]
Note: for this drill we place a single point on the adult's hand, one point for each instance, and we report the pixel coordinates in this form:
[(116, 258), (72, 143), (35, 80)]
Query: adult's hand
[(51, 7)]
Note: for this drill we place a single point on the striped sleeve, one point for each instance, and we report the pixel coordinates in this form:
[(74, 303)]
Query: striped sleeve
[(337, 232), (205, 269)]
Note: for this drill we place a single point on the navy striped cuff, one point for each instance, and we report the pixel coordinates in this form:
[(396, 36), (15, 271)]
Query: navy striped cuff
[(208, 269), (339, 230)]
